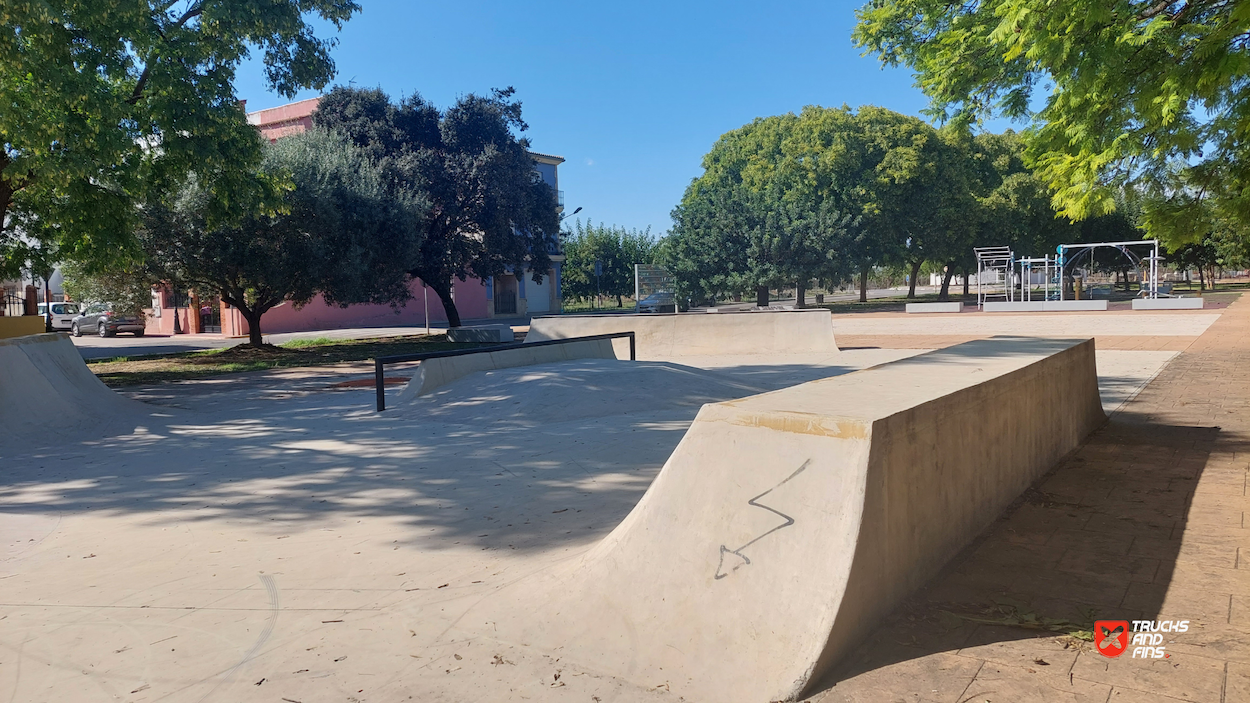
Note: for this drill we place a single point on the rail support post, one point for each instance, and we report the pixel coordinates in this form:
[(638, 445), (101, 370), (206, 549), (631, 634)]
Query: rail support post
[(380, 384), (632, 354)]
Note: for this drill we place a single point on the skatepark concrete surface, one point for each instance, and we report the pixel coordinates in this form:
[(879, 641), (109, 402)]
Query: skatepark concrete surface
[(263, 537)]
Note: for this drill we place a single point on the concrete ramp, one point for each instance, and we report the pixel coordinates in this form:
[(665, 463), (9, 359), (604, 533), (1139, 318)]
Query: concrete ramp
[(786, 524), (700, 334), (433, 374), (48, 395)]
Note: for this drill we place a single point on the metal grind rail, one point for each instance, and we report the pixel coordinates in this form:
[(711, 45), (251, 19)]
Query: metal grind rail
[(379, 363)]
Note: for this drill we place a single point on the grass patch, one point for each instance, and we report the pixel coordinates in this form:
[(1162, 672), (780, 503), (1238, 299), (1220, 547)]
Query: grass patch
[(305, 343), (167, 368)]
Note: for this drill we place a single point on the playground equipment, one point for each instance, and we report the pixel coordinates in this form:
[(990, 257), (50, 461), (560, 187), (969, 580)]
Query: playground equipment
[(1051, 277), (996, 288), (997, 262), (1069, 255)]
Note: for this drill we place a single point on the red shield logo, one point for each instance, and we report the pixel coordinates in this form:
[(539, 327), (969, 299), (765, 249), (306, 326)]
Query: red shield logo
[(1111, 637)]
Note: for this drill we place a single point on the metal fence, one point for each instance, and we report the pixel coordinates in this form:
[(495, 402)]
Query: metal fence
[(12, 305), (380, 362), (505, 303), (654, 288)]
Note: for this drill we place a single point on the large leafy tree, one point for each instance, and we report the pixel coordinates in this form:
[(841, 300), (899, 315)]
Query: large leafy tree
[(764, 213), (107, 100), (489, 210), (1148, 93), (340, 232)]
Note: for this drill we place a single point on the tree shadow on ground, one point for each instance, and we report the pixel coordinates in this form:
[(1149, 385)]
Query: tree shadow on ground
[(284, 452), (1096, 538)]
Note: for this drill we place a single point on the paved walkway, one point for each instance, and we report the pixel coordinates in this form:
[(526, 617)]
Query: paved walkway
[(1145, 521)]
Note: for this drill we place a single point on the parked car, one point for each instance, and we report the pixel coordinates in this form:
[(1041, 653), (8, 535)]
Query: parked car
[(663, 302), (658, 302), (63, 314), (105, 321)]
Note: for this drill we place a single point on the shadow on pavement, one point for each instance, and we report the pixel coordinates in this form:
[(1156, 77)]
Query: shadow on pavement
[(1097, 538)]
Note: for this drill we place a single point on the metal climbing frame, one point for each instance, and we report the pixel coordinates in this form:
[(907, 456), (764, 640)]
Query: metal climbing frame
[(998, 262), (1050, 269), (1150, 262)]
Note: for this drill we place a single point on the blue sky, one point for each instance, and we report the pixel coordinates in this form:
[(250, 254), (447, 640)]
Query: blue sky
[(631, 94)]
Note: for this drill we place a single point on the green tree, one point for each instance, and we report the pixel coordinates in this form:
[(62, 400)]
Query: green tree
[(615, 248), (106, 101), (128, 287), (1137, 92), (341, 233), (772, 208), (489, 210)]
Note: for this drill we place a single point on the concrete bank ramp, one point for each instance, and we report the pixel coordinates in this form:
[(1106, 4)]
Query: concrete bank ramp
[(575, 390), (786, 524), (771, 332), (48, 395), (433, 374)]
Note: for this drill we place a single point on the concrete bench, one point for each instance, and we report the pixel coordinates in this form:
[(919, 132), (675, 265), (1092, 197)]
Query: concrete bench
[(481, 333), (1046, 306), (935, 307), (1167, 303)]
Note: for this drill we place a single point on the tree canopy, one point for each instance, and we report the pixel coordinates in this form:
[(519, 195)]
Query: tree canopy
[(489, 210), (615, 248), (341, 232), (823, 195), (1137, 93), (105, 100)]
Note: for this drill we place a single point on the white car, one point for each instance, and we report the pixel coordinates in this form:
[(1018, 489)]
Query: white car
[(63, 314)]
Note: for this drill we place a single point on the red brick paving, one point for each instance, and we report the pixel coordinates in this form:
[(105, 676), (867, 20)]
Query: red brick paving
[(1145, 521)]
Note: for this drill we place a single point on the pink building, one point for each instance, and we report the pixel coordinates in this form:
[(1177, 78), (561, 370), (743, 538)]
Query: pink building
[(509, 295)]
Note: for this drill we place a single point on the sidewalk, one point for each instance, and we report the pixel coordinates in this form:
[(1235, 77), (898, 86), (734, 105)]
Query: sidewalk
[(1146, 521), (93, 347)]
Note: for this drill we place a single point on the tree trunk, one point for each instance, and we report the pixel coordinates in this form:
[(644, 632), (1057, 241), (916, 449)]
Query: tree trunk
[(946, 283), (863, 284), (761, 296), (800, 295), (965, 282), (619, 303), (915, 271), (449, 305), (253, 326), (1202, 281)]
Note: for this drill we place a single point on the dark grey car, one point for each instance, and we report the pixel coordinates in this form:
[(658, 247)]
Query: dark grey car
[(104, 321)]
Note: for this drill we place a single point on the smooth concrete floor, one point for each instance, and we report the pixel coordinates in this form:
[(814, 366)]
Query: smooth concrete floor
[(273, 539)]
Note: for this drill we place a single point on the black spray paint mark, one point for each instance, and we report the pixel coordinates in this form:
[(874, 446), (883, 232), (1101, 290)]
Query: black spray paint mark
[(720, 567)]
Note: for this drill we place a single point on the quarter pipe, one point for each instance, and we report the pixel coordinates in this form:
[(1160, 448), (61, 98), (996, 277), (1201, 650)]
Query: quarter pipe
[(785, 524)]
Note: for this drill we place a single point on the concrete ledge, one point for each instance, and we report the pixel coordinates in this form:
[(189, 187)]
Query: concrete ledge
[(1167, 304), (1046, 306), (11, 327), (700, 334), (817, 509), (481, 333), (935, 307), (432, 374)]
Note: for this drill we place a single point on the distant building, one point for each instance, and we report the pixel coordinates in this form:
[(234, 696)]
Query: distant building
[(503, 296)]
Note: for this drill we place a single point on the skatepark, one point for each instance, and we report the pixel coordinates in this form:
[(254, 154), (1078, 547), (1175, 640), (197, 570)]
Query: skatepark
[(730, 517)]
